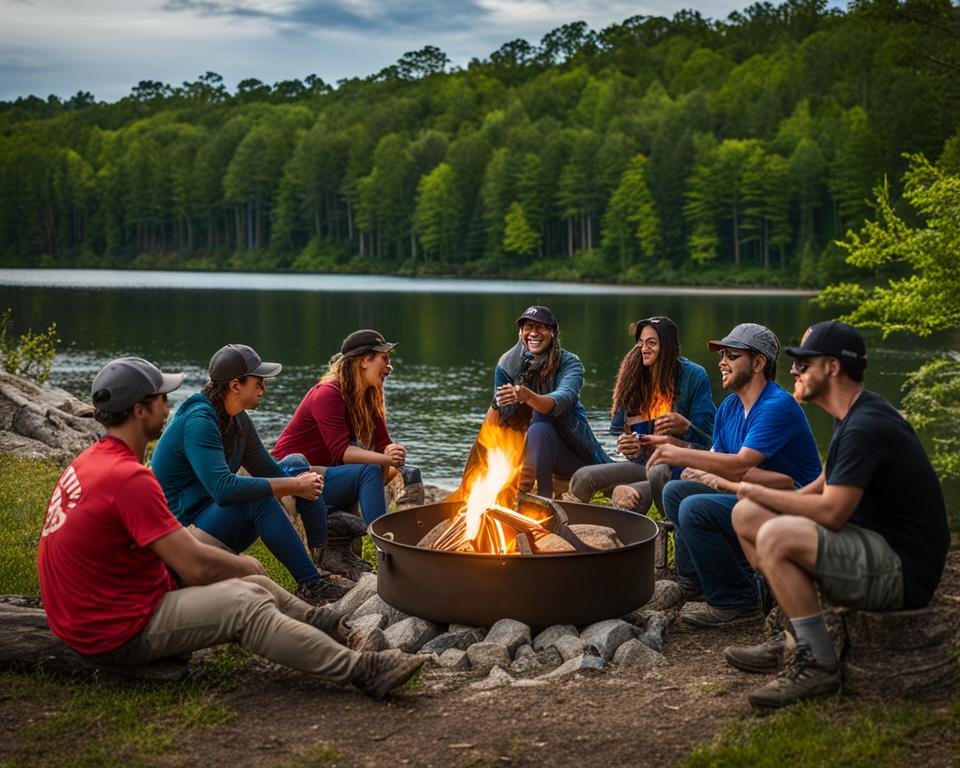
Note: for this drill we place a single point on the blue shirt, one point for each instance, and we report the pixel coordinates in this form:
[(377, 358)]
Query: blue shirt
[(776, 427)]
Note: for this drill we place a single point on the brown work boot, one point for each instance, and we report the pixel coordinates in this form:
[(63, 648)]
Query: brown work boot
[(378, 673), (767, 656), (324, 589), (801, 678), (712, 617)]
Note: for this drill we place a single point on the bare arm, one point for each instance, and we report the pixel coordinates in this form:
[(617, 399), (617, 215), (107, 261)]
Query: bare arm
[(829, 505), (197, 563), (730, 466), (509, 394), (394, 455)]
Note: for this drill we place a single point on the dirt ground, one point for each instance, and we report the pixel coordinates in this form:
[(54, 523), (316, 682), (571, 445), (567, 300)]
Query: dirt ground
[(612, 717)]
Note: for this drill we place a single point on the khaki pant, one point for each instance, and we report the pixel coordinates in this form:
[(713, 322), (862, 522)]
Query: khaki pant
[(586, 481), (253, 611)]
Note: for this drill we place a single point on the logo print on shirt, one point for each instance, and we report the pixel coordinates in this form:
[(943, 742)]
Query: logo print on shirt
[(65, 496)]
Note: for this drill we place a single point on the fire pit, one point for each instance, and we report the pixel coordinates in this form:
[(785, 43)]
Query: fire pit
[(539, 590)]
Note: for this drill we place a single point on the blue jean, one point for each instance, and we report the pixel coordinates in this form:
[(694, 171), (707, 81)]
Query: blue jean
[(548, 454), (347, 484), (706, 544), (239, 525), (313, 514)]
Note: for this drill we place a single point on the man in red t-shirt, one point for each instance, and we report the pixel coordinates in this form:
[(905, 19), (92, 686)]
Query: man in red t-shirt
[(109, 543)]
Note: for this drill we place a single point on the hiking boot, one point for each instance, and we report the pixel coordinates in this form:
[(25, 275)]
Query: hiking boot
[(324, 589), (378, 673), (801, 678), (712, 617), (768, 656), (328, 620)]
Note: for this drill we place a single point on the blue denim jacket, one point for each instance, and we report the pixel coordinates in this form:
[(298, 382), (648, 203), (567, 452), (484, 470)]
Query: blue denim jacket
[(694, 400), (564, 390)]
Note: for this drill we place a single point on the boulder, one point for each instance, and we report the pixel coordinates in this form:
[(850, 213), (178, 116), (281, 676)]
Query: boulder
[(509, 633), (485, 656), (604, 637)]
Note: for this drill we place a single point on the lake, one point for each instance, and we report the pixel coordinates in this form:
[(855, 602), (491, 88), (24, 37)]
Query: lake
[(451, 333)]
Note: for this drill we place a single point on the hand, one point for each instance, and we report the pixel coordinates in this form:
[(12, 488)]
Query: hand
[(255, 566), (309, 486), (629, 445), (396, 455), (665, 453), (507, 395), (625, 497), (710, 480), (671, 424)]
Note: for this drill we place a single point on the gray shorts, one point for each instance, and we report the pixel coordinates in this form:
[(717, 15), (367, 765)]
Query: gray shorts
[(856, 567)]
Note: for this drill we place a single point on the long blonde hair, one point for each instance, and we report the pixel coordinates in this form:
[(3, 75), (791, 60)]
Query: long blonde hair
[(363, 403)]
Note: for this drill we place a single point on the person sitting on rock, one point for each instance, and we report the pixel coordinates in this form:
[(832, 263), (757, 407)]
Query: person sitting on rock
[(760, 434), (538, 381), (870, 532), (109, 544), (664, 394), (198, 459)]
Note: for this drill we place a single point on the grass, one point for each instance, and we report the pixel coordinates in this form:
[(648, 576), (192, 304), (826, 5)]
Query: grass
[(82, 724), (834, 734)]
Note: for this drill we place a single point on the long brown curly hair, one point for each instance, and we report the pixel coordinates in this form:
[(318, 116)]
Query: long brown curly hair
[(363, 403), (638, 388)]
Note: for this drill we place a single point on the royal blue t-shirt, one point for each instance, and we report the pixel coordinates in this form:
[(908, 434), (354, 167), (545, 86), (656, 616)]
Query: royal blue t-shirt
[(776, 427)]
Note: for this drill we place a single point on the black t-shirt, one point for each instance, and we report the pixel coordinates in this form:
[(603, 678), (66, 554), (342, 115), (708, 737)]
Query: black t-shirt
[(874, 448)]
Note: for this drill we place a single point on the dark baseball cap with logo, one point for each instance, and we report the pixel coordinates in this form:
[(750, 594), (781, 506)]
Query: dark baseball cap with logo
[(124, 382), (365, 341), (538, 314), (752, 336), (833, 339), (235, 360)]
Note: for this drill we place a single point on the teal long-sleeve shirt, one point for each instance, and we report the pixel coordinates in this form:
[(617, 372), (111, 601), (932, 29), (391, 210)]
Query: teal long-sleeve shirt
[(196, 464)]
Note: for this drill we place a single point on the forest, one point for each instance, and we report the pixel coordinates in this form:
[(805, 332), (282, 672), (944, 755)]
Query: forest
[(681, 150)]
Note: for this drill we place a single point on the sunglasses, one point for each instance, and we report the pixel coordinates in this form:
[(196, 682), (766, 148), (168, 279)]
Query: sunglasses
[(800, 366)]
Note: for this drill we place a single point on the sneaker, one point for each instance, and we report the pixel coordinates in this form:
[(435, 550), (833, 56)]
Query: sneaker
[(801, 678), (712, 617), (378, 673), (324, 589), (328, 620), (768, 656)]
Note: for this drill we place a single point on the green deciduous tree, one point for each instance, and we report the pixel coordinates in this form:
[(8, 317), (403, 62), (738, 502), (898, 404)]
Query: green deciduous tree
[(631, 226), (436, 219)]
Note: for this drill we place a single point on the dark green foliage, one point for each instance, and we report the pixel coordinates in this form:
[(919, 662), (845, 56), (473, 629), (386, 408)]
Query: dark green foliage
[(31, 354), (763, 136)]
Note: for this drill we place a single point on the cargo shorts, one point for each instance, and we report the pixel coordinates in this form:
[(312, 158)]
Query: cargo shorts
[(856, 567)]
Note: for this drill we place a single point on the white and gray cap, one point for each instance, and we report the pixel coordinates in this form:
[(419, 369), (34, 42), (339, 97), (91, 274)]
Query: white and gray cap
[(751, 336), (124, 382)]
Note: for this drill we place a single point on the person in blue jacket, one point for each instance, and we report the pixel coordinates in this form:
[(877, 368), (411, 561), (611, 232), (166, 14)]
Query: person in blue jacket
[(539, 379), (657, 392), (197, 460)]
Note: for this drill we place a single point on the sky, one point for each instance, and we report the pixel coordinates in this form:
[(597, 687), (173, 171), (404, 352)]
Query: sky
[(107, 46)]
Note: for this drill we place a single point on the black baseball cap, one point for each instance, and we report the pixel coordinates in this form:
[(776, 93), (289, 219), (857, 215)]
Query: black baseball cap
[(538, 314), (657, 321), (124, 382), (833, 339), (236, 360), (364, 341)]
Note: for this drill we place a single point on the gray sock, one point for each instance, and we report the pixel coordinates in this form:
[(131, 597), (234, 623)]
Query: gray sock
[(812, 631)]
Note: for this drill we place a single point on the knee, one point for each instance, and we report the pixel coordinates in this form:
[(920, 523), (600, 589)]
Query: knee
[(370, 473), (581, 484), (775, 540), (746, 518), (295, 464), (671, 499), (538, 434)]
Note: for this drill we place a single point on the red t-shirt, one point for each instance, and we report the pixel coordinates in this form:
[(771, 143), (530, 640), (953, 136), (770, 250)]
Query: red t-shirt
[(320, 429), (100, 584)]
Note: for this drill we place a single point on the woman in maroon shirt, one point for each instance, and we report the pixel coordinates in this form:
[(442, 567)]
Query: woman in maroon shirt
[(341, 424)]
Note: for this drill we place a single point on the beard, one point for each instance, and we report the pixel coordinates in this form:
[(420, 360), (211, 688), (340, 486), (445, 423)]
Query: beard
[(739, 380), (807, 391)]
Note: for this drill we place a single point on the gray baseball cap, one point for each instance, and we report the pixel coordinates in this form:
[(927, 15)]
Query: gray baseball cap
[(752, 336), (124, 382), (235, 360)]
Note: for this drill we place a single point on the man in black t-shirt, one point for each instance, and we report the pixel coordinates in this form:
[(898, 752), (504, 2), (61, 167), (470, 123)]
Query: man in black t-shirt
[(871, 532)]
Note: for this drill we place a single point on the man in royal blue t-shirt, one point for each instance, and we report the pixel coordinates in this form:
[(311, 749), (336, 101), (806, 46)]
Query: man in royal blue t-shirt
[(870, 532), (760, 434)]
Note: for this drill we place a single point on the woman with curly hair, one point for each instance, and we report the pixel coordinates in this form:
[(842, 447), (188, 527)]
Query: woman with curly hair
[(341, 424), (539, 379), (659, 395)]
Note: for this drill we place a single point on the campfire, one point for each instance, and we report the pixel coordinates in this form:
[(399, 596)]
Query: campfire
[(495, 519)]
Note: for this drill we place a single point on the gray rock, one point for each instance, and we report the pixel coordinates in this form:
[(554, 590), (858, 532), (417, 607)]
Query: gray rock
[(485, 656), (568, 647), (654, 634), (525, 661), (411, 633), (496, 679), (596, 536), (454, 658), (365, 588), (634, 653), (549, 636), (581, 663), (461, 639), (368, 622), (666, 595), (376, 604), (509, 633), (370, 639), (551, 657), (605, 637), (465, 627)]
